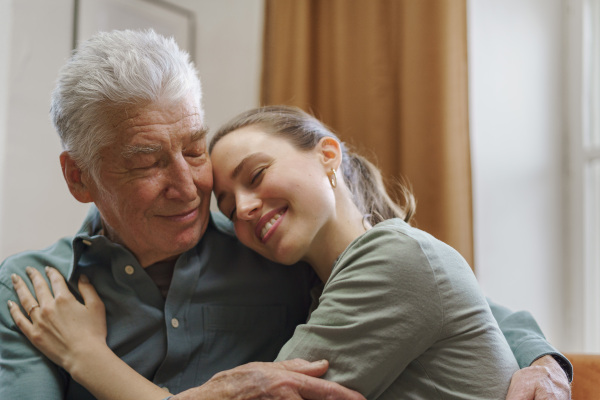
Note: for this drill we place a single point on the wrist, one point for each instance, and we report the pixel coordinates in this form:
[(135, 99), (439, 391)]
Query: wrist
[(556, 363), (80, 363)]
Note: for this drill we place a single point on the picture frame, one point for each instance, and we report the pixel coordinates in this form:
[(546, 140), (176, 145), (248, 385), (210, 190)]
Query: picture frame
[(167, 19)]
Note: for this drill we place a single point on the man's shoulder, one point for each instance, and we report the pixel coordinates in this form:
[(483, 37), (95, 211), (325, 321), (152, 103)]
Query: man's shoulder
[(59, 255)]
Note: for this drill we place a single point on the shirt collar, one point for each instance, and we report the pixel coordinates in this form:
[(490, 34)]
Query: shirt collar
[(91, 233)]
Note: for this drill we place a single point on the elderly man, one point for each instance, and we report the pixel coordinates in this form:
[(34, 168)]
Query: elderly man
[(184, 299)]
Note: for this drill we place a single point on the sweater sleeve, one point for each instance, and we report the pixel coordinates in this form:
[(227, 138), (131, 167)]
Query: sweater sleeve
[(525, 338)]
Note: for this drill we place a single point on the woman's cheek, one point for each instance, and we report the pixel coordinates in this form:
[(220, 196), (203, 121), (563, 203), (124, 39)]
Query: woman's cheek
[(242, 231)]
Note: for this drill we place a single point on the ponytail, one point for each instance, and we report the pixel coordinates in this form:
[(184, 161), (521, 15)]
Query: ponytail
[(369, 193)]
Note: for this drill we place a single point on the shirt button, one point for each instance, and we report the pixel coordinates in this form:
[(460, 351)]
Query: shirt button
[(175, 323), (129, 270)]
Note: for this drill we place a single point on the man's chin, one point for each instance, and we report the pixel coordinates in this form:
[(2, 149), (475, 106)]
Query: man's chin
[(189, 238)]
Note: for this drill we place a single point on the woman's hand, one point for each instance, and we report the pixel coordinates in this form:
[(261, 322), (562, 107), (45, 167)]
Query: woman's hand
[(58, 325), (73, 335)]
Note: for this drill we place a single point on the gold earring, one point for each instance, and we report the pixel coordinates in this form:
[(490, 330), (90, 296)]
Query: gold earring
[(332, 178)]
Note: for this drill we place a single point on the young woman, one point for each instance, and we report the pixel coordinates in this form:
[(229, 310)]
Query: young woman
[(399, 315)]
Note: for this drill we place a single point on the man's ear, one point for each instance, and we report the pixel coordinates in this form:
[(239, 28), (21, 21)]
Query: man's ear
[(330, 152), (74, 176)]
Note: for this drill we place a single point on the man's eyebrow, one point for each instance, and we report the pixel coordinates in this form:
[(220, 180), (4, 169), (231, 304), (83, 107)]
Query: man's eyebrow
[(199, 134), (133, 149)]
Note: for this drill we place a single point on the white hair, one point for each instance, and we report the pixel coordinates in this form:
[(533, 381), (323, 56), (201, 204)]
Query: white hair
[(112, 71)]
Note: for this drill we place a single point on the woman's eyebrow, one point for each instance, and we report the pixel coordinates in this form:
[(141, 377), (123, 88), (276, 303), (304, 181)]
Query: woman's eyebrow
[(242, 164)]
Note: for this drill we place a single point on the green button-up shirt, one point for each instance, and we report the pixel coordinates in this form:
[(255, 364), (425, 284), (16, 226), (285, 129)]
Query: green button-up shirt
[(226, 306)]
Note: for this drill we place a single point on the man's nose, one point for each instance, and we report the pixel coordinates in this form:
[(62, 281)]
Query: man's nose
[(181, 184)]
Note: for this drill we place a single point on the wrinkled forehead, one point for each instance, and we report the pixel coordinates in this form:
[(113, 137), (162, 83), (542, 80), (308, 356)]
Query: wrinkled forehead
[(149, 128), (156, 113)]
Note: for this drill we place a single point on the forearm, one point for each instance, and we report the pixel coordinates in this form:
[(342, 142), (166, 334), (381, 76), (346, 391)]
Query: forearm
[(108, 377), (525, 338)]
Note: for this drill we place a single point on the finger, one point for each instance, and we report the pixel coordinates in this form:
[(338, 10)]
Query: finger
[(316, 368), (315, 388), (22, 322), (516, 396), (90, 296), (40, 285), (25, 297), (518, 391), (58, 283)]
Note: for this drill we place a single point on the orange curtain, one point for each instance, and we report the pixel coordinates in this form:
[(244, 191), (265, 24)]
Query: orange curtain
[(390, 78)]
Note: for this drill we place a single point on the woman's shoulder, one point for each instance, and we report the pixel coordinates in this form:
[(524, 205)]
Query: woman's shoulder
[(393, 236), (395, 247), (389, 249)]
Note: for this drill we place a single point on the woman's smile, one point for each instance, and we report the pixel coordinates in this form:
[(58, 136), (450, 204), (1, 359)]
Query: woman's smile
[(269, 223)]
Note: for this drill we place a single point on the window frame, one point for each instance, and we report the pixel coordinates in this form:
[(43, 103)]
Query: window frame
[(582, 263)]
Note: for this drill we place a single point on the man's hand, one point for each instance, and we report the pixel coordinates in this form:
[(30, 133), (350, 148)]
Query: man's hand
[(543, 380), (292, 379)]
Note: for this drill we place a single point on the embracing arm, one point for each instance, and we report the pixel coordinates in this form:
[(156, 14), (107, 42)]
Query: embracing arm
[(73, 335), (525, 337), (545, 372)]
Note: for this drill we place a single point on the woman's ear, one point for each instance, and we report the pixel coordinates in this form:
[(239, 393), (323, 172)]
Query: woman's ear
[(330, 152), (75, 178)]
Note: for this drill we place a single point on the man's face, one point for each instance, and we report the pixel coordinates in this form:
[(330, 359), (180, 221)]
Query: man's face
[(155, 181)]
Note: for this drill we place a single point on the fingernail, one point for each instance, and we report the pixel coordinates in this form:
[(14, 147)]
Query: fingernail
[(47, 269), (84, 279), (10, 304), (15, 278), (29, 270), (321, 362)]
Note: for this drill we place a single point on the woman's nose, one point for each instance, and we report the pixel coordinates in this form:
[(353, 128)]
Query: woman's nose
[(248, 206)]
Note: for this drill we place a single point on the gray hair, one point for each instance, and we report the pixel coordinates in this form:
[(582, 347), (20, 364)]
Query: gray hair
[(109, 72)]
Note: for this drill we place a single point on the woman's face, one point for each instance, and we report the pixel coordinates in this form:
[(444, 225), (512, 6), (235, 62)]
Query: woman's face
[(278, 197)]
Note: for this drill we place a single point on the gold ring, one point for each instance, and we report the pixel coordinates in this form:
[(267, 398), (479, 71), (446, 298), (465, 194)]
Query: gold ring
[(33, 307)]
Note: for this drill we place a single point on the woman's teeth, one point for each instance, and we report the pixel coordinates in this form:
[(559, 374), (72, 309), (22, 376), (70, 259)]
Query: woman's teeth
[(269, 225)]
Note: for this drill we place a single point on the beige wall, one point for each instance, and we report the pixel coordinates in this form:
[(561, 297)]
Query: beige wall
[(5, 28), (516, 117), (36, 206)]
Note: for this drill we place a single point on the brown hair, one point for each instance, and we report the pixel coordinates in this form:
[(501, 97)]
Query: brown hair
[(305, 131)]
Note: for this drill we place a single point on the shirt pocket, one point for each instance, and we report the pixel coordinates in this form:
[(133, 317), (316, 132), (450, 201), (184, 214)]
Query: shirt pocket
[(235, 335)]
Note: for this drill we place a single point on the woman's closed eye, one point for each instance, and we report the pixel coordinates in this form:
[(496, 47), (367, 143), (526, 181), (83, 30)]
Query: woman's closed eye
[(257, 175)]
